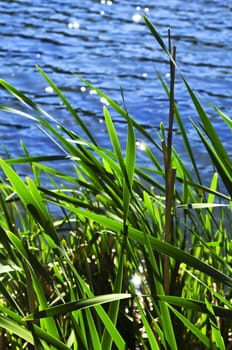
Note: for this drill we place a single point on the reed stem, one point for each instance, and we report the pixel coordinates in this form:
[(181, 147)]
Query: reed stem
[(170, 172)]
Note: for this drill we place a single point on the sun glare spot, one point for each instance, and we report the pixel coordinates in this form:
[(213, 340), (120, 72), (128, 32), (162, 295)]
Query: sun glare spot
[(49, 89), (141, 145), (136, 280), (104, 101), (93, 92), (83, 88), (136, 17), (73, 25)]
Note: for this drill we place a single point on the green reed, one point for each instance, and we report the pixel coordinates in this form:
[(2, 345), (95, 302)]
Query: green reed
[(72, 244)]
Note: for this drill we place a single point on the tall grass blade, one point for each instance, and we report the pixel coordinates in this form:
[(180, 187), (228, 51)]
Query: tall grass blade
[(194, 329), (130, 168), (222, 165), (208, 127), (223, 115), (67, 104), (117, 148), (121, 112), (154, 345), (158, 38), (31, 200), (216, 334), (114, 307)]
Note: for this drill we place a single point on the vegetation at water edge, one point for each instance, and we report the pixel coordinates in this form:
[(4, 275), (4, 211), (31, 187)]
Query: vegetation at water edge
[(75, 244)]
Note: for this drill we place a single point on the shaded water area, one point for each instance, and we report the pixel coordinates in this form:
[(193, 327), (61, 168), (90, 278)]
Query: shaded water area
[(107, 43)]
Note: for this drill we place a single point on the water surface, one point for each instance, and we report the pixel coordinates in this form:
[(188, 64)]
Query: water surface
[(107, 43)]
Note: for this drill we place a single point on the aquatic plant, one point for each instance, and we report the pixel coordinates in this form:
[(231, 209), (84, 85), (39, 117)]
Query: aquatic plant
[(73, 243)]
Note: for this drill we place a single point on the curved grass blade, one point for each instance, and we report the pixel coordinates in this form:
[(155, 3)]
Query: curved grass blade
[(208, 127), (195, 305), (157, 245), (35, 108), (121, 112), (20, 331), (158, 39), (33, 277), (190, 326), (223, 165), (216, 334), (31, 199), (9, 268), (223, 115), (108, 324), (203, 188), (19, 95), (77, 305), (17, 111), (201, 205), (17, 329), (67, 104), (36, 159), (15, 320)]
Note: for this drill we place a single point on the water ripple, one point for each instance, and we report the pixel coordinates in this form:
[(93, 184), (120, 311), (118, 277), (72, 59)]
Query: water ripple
[(108, 43)]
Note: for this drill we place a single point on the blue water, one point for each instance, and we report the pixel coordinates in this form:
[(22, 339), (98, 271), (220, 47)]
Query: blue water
[(107, 43)]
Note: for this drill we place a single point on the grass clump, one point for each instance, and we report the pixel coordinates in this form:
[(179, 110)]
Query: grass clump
[(67, 279)]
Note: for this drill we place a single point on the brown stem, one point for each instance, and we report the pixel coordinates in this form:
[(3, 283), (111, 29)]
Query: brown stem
[(170, 172)]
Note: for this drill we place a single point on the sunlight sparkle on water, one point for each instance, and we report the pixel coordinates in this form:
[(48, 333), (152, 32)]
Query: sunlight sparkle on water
[(49, 89), (141, 145), (104, 101), (73, 25), (109, 2), (93, 92), (136, 280), (136, 17)]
